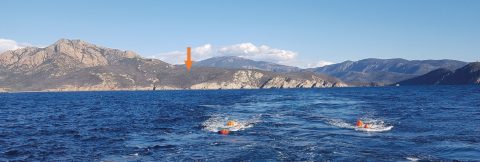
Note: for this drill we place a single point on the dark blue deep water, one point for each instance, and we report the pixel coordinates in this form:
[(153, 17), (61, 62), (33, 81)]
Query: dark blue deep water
[(431, 123)]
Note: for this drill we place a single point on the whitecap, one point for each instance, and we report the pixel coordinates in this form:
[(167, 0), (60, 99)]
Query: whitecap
[(375, 129), (412, 158)]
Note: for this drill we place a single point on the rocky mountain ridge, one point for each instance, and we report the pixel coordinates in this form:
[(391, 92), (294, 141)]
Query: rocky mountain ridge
[(62, 52), (384, 71)]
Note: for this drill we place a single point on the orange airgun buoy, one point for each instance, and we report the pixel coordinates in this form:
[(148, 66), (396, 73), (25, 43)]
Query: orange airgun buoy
[(231, 123), (224, 132), (366, 126), (359, 123)]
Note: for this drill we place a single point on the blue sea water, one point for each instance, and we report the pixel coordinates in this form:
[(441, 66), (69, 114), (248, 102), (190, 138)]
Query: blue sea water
[(430, 123)]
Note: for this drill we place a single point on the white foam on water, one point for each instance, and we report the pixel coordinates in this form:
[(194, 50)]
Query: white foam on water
[(340, 123), (375, 129), (412, 158), (217, 123), (374, 125)]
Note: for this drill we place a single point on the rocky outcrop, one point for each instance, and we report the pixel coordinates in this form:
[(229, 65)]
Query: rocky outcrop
[(243, 79), (286, 82), (75, 65), (249, 79)]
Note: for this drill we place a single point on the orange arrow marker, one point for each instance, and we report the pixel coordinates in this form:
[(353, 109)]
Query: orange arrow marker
[(188, 62)]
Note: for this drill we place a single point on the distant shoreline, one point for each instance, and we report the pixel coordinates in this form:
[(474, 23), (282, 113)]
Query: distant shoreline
[(138, 90), (127, 90)]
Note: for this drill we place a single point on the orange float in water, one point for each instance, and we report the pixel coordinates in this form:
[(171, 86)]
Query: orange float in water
[(366, 126), (231, 123), (224, 132), (359, 123)]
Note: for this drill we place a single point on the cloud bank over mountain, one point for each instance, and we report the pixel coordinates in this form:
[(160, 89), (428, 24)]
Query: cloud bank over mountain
[(245, 50), (7, 44)]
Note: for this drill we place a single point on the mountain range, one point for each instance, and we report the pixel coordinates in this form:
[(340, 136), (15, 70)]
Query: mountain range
[(75, 65), (375, 71), (384, 71)]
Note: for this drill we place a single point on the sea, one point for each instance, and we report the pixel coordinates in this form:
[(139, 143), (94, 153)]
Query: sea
[(406, 123)]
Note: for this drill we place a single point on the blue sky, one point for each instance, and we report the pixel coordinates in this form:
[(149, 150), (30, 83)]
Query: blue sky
[(294, 32)]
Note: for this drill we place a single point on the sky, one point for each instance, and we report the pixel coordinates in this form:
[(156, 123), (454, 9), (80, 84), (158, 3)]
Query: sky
[(304, 33)]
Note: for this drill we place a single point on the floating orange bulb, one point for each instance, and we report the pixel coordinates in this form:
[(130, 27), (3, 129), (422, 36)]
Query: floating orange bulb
[(366, 126), (224, 132), (359, 123)]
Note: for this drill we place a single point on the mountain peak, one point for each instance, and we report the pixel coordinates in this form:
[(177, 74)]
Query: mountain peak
[(64, 53), (82, 50), (63, 40), (72, 42)]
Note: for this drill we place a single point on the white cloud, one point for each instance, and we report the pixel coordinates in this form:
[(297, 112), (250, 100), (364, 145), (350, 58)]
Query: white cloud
[(322, 63), (7, 44), (305, 63), (244, 50), (262, 52), (202, 51)]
